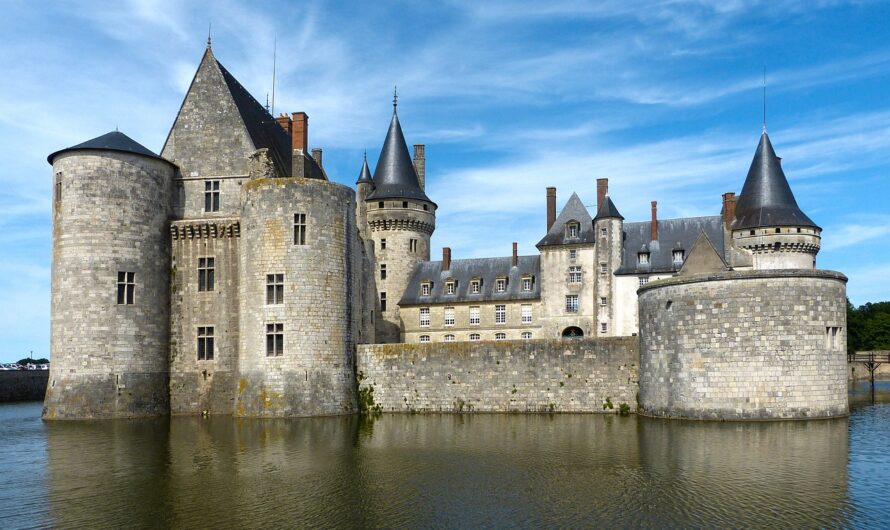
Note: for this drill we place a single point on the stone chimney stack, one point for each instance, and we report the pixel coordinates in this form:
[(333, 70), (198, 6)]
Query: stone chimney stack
[(551, 207), (316, 154), (300, 132), (446, 258), (420, 164), (286, 124), (654, 220), (728, 209), (515, 254), (602, 189)]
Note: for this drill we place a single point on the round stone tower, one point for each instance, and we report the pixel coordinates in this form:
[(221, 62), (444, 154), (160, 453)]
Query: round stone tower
[(110, 281), (299, 288), (768, 223), (401, 220)]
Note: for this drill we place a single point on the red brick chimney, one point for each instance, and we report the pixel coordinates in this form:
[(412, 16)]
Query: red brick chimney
[(446, 258), (551, 207), (286, 123), (515, 254), (300, 131), (728, 209), (654, 220), (602, 189)]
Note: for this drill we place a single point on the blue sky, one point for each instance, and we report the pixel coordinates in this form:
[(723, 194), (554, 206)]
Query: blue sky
[(662, 98)]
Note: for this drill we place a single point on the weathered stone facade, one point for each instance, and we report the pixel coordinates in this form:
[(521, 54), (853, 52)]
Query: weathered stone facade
[(744, 345), (579, 375)]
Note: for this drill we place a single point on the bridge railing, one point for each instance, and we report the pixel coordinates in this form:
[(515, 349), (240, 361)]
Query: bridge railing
[(880, 356)]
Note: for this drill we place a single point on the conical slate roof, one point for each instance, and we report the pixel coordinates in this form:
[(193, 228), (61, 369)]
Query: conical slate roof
[(607, 209), (364, 176), (574, 210), (766, 198), (394, 177), (113, 141)]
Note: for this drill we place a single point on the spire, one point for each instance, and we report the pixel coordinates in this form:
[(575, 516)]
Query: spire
[(364, 176), (766, 198), (607, 210), (209, 42), (395, 98)]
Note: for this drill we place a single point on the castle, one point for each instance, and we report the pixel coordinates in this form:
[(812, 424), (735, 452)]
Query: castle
[(228, 275)]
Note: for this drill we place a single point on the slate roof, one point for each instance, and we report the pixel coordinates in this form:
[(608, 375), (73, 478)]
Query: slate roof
[(395, 176), (113, 141), (673, 234), (766, 198), (365, 174), (464, 270), (607, 210), (574, 210)]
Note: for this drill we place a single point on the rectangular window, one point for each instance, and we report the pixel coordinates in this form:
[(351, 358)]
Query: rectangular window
[(383, 301), (602, 300), (425, 288), (299, 229), (449, 316), (831, 334), (206, 276), (572, 303), (211, 195), (603, 327), (603, 268), (449, 287), (475, 286), (126, 288), (526, 335), (603, 232), (274, 340), (424, 338), (573, 254), (205, 343), (679, 255), (500, 314), (643, 258), (58, 186), (274, 289), (644, 280), (412, 245), (572, 230), (474, 315), (575, 274), (526, 313), (383, 271), (500, 285), (383, 244), (526, 284), (424, 316)]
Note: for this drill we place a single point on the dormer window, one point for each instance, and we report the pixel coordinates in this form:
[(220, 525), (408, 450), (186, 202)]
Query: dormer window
[(500, 285), (679, 256), (527, 282), (450, 287), (572, 229), (643, 258), (475, 286), (426, 288)]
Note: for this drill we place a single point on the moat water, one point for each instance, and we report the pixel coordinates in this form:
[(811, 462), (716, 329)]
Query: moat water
[(446, 471)]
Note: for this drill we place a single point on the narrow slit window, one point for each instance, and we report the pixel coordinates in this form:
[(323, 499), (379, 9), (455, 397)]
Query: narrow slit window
[(126, 287), (383, 271), (383, 301)]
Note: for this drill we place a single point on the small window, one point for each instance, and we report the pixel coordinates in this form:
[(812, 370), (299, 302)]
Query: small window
[(474, 315), (475, 337), (383, 271), (211, 195), (383, 244), (603, 268), (404, 204), (412, 245), (274, 340), (572, 303), (778, 230), (500, 336), (644, 280), (383, 301), (426, 207), (500, 285), (527, 283), (643, 258), (380, 204), (831, 334), (449, 316), (449, 338), (475, 286), (206, 276), (424, 338), (573, 254), (526, 312), (679, 256), (126, 288), (798, 230), (500, 314), (603, 300), (602, 327), (526, 335), (274, 289), (572, 229), (752, 232), (450, 287), (575, 274), (603, 232), (299, 229), (424, 316), (59, 188), (426, 288), (205, 343)]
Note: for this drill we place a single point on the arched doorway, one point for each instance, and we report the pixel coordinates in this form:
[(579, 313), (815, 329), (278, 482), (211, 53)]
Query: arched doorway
[(572, 332)]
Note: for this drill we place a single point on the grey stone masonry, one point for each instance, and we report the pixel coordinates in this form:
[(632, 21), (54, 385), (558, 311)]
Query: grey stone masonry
[(308, 367), (744, 345), (109, 359), (580, 375)]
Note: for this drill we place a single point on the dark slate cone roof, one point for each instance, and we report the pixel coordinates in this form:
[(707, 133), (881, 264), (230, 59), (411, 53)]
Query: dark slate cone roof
[(574, 210), (365, 174), (607, 210), (766, 198), (113, 141), (394, 177)]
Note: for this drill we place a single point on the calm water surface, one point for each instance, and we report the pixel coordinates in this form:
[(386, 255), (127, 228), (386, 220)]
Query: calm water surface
[(446, 471)]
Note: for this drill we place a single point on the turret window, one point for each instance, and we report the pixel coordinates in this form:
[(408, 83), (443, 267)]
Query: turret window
[(274, 340), (603, 327), (211, 195), (603, 301), (59, 188), (126, 288), (380, 204), (404, 204), (383, 244), (603, 268), (382, 301), (205, 343), (206, 274), (299, 229), (274, 289), (383, 271), (412, 245), (778, 230)]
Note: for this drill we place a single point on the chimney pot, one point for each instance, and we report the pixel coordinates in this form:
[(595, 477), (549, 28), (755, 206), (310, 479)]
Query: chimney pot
[(515, 254), (420, 164), (446, 258), (602, 189), (654, 220), (728, 209), (316, 154), (286, 124), (300, 131), (551, 207)]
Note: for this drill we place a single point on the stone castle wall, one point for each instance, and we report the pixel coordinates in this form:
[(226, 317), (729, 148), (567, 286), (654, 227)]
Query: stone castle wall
[(108, 359), (23, 385), (744, 345), (503, 376)]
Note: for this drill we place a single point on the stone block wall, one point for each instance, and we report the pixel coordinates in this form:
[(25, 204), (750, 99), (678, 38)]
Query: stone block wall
[(744, 345), (504, 376), (23, 385)]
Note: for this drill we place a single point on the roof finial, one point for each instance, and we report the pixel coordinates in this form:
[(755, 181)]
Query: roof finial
[(209, 27), (395, 98), (764, 98), (366, 156)]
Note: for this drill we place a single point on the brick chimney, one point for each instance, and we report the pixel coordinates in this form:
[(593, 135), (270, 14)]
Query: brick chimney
[(551, 207), (446, 258), (300, 131), (602, 189), (515, 254), (654, 220), (728, 209), (420, 164), (316, 154), (286, 123)]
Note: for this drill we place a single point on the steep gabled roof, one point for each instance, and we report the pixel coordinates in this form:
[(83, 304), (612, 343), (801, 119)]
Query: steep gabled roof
[(607, 210), (113, 141), (395, 177), (463, 270), (673, 234), (703, 258), (766, 198), (574, 210)]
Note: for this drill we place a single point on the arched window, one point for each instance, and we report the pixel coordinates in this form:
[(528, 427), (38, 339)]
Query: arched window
[(500, 336), (449, 338), (474, 337), (572, 332), (424, 338)]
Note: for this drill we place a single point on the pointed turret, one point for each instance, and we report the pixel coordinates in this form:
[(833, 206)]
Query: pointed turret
[(766, 199), (113, 141), (364, 176), (395, 177), (607, 210)]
